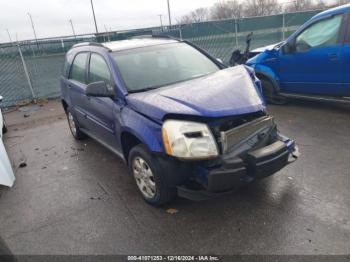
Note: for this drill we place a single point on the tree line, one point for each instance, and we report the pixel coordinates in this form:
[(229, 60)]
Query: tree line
[(234, 9)]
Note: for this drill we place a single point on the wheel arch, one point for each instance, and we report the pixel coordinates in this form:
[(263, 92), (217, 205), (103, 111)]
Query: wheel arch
[(128, 141), (64, 104), (268, 74)]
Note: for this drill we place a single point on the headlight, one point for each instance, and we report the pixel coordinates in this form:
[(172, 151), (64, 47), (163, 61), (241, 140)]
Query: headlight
[(189, 140)]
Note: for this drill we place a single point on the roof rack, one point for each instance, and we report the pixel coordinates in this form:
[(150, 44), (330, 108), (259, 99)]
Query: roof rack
[(154, 36), (88, 44)]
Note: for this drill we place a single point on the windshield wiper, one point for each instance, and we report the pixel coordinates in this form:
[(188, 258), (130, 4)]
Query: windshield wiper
[(143, 89)]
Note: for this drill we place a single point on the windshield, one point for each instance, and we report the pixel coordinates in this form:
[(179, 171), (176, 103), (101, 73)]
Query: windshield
[(155, 66)]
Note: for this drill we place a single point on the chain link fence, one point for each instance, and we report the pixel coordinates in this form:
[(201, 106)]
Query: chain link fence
[(31, 69)]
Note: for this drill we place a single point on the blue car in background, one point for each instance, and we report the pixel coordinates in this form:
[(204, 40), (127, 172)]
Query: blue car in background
[(184, 123), (313, 63)]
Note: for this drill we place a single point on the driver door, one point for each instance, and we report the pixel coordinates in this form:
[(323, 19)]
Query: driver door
[(100, 110), (313, 65)]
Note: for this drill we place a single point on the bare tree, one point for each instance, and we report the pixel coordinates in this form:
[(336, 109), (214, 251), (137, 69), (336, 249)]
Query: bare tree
[(262, 7), (226, 10), (320, 4), (343, 2), (299, 5), (196, 16), (229, 9)]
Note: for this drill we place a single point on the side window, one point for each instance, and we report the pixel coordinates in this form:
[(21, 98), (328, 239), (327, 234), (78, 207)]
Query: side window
[(99, 71), (79, 68), (321, 34)]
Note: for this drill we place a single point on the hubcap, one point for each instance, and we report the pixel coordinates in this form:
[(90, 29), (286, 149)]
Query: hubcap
[(144, 177), (71, 123)]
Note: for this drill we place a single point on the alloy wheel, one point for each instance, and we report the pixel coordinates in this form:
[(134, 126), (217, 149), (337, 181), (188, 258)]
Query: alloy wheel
[(144, 177)]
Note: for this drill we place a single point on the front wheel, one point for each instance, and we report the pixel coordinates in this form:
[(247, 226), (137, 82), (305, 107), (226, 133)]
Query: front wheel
[(270, 94), (149, 177)]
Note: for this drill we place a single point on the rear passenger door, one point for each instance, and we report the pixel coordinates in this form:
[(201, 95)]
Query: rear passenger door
[(77, 85), (100, 109)]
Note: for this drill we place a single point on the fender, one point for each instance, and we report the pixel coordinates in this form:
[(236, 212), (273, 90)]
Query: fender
[(147, 131), (269, 74)]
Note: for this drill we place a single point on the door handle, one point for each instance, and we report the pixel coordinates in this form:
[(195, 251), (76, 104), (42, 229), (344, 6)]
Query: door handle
[(333, 57)]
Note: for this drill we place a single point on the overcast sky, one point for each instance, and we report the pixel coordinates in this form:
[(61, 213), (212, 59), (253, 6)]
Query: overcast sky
[(51, 17)]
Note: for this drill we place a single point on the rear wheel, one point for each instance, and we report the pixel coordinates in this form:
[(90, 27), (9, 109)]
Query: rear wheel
[(149, 177), (270, 93), (74, 127)]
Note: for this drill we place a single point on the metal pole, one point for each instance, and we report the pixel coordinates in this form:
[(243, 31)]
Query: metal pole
[(169, 13), (93, 13), (62, 44), (31, 21), (26, 72), (236, 33), (283, 26), (8, 33), (161, 22), (107, 33), (71, 23)]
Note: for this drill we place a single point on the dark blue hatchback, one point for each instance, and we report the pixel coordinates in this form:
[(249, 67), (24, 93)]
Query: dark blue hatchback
[(184, 123)]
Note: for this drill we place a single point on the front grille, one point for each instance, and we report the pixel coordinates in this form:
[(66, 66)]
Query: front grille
[(233, 137)]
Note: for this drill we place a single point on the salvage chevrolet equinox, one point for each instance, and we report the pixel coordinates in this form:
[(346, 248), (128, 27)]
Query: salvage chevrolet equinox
[(184, 123)]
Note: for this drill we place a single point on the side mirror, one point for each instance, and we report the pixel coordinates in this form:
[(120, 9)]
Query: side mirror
[(0, 99), (98, 89), (219, 60), (288, 48)]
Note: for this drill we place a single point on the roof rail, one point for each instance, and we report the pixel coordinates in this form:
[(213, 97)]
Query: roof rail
[(87, 44), (154, 36)]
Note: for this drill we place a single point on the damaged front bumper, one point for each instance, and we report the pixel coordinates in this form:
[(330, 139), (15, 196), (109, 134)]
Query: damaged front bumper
[(243, 160), (236, 172)]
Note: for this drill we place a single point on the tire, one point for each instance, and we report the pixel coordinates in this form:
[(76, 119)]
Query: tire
[(270, 94), (74, 126), (4, 128), (149, 177)]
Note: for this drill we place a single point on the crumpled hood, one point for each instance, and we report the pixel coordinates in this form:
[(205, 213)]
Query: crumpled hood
[(225, 93)]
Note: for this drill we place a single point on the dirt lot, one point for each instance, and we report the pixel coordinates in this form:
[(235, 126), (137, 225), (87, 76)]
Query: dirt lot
[(78, 198)]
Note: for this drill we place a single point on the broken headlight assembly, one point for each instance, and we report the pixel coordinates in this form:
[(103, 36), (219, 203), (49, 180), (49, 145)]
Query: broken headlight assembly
[(188, 140)]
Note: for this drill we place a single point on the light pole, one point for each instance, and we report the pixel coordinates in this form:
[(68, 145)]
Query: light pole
[(93, 13), (71, 23), (107, 33), (161, 22), (284, 18), (169, 13), (8, 33), (31, 21)]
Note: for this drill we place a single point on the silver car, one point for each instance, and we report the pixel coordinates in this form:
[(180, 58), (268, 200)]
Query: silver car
[(7, 177)]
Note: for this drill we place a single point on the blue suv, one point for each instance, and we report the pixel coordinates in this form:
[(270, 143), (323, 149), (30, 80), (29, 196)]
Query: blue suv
[(312, 63), (184, 123)]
